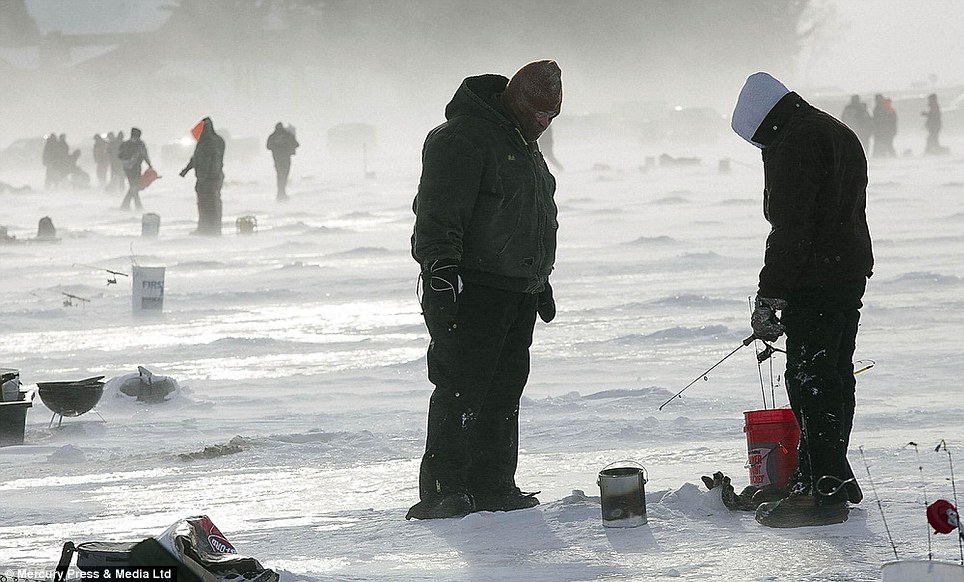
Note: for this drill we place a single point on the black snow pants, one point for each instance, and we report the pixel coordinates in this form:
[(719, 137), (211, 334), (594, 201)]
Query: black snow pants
[(282, 167), (209, 205), (479, 371), (133, 189), (821, 329)]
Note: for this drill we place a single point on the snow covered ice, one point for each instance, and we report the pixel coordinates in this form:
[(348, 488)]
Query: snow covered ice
[(302, 348)]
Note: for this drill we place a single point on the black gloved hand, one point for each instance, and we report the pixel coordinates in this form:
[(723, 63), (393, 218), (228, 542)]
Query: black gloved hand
[(764, 320), (183, 172), (441, 286), (546, 305)]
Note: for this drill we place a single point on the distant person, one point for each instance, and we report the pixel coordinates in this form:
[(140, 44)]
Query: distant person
[(208, 165), (485, 238), (858, 118), (546, 145), (282, 144), (116, 183), (101, 159), (933, 126), (133, 153), (62, 158), (816, 264), (885, 127), (49, 158)]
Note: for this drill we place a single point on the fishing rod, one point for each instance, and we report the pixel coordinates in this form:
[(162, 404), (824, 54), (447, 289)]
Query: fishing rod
[(702, 376), (879, 506), (112, 280), (923, 486)]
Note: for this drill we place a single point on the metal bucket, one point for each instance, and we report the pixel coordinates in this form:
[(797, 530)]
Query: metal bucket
[(622, 494)]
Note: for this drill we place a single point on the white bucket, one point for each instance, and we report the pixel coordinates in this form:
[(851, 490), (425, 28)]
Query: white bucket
[(622, 494), (148, 290), (150, 224)]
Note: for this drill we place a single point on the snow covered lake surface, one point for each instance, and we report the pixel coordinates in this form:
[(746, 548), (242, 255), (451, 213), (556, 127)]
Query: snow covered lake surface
[(303, 343)]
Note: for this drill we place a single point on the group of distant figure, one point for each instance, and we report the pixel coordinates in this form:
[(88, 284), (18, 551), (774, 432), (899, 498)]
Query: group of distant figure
[(61, 164), (880, 127), (116, 159)]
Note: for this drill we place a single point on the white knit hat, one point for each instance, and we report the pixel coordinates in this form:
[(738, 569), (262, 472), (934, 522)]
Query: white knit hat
[(758, 96)]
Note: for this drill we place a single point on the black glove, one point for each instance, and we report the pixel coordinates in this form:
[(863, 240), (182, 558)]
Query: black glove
[(731, 500), (764, 320), (546, 305), (441, 286)]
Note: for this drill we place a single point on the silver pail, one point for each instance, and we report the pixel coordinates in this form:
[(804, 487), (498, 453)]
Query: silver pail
[(622, 494)]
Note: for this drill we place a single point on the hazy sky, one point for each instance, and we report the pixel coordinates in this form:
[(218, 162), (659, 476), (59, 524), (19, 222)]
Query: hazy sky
[(889, 44), (871, 44)]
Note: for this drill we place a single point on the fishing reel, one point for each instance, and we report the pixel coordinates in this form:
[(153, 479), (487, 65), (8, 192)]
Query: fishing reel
[(943, 517), (768, 350)]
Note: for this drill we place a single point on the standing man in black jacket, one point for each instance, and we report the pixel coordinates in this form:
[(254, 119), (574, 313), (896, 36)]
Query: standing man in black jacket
[(282, 144), (208, 165), (817, 261), (485, 237)]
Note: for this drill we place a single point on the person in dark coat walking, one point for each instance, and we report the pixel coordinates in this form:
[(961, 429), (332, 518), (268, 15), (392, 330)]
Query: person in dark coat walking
[(282, 144), (933, 126), (817, 261), (133, 153), (485, 237), (208, 165)]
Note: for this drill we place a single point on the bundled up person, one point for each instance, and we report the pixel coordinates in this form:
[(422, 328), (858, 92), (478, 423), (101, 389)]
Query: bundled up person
[(485, 237), (101, 159), (885, 127), (282, 144), (116, 182), (208, 165), (132, 154), (858, 118), (49, 157), (933, 126), (817, 261)]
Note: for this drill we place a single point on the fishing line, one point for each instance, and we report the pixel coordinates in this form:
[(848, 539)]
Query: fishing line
[(763, 390), (879, 506), (920, 468)]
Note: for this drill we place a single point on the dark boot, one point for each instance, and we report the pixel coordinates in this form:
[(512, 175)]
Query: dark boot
[(441, 507), (801, 511), (509, 500)]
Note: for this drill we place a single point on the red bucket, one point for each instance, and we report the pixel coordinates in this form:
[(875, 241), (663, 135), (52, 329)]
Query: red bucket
[(772, 437)]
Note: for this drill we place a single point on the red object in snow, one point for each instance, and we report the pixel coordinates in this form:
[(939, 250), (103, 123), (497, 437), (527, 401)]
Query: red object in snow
[(147, 178), (772, 437), (943, 517), (197, 129)]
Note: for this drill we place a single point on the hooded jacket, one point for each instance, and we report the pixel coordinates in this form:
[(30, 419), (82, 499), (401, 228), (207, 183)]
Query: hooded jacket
[(485, 197), (815, 201), (208, 160)]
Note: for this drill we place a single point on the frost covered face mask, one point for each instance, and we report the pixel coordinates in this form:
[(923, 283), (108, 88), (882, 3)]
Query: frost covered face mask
[(534, 97)]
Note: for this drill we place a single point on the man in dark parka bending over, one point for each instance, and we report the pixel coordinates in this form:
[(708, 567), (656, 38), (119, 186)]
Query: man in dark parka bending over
[(485, 237), (817, 261)]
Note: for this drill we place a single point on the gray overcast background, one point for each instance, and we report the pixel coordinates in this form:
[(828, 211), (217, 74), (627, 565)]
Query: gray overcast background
[(82, 66)]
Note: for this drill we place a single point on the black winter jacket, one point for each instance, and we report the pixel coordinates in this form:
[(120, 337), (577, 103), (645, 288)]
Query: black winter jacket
[(485, 197), (815, 200)]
